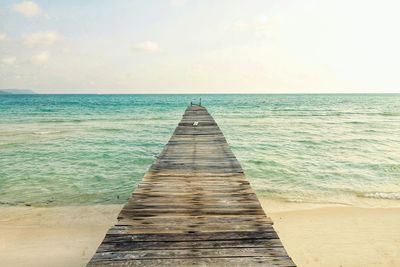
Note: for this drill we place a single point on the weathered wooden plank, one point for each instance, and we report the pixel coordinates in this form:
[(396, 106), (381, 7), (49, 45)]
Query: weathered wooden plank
[(169, 229), (190, 236), (188, 206), (244, 243), (173, 220), (194, 207), (184, 227), (191, 253), (200, 262)]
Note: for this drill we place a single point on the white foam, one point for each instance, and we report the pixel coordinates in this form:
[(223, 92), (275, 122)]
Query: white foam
[(47, 132), (384, 195)]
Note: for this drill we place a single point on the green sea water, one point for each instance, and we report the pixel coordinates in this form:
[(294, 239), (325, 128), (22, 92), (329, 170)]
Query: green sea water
[(88, 149)]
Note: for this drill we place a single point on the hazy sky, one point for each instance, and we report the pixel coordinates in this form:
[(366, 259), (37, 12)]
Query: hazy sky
[(189, 46)]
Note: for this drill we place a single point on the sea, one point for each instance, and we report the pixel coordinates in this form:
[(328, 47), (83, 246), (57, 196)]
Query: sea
[(94, 149)]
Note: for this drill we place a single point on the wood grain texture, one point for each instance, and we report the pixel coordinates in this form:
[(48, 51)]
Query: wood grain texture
[(194, 207)]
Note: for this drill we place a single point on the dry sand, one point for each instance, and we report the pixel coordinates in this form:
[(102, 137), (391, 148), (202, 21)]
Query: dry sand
[(313, 235), (57, 236), (337, 236)]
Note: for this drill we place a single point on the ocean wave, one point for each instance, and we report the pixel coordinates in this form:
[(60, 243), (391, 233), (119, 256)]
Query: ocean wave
[(391, 114), (46, 132), (383, 195), (112, 130), (356, 122)]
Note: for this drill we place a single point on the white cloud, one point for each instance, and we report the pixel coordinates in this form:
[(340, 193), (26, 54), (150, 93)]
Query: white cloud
[(41, 58), (9, 60), (42, 38), (147, 46), (239, 25), (259, 25), (3, 37), (28, 9), (178, 2)]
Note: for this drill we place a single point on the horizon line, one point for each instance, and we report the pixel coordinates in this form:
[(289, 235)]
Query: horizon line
[(286, 93)]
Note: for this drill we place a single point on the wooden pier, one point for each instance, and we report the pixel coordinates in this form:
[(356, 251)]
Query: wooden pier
[(194, 207)]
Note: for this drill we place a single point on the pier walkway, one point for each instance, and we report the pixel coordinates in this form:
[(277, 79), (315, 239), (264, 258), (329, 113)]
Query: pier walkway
[(194, 207)]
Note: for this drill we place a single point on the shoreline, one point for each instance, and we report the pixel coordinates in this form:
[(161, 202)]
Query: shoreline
[(313, 234)]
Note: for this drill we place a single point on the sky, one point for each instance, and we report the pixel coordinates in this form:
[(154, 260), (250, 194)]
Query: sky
[(200, 46)]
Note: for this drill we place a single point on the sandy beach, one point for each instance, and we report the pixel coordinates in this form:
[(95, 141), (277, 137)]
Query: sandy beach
[(319, 235), (314, 235), (56, 236)]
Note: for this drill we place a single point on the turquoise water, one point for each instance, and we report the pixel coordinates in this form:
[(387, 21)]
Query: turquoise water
[(86, 149)]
